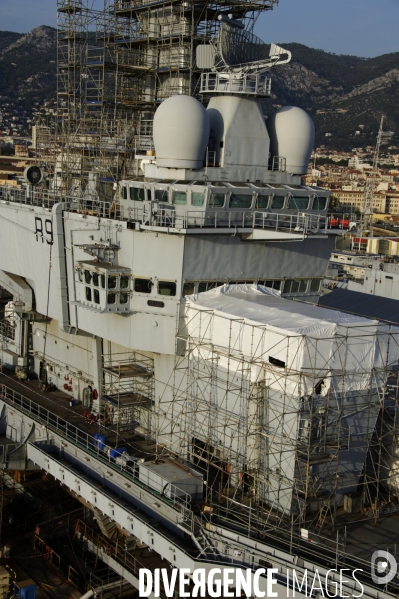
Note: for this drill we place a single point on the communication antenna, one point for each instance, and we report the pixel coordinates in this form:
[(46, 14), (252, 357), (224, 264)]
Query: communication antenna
[(237, 60), (371, 183)]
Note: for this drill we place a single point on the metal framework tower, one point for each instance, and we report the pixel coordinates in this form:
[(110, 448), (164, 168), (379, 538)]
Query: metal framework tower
[(371, 183), (115, 66)]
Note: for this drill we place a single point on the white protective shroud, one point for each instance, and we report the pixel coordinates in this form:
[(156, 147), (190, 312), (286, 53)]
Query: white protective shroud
[(346, 351)]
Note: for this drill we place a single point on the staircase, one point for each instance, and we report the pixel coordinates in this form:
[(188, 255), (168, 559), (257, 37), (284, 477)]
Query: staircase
[(106, 525)]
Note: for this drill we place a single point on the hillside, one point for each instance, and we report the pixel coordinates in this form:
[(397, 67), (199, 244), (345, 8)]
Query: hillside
[(344, 94), (7, 38), (28, 67)]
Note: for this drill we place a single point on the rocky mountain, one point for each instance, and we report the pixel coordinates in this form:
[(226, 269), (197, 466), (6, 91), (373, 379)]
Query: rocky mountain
[(28, 67), (344, 94)]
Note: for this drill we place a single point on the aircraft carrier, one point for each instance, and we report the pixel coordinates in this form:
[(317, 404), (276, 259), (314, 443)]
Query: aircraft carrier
[(163, 355)]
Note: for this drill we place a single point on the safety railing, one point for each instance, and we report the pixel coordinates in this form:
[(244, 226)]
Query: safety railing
[(117, 550), (47, 199), (49, 556), (247, 84), (179, 498), (7, 330), (155, 214), (294, 223), (279, 163), (184, 219)]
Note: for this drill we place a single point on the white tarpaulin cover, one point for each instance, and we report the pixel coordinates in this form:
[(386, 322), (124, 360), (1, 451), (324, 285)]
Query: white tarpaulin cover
[(257, 323)]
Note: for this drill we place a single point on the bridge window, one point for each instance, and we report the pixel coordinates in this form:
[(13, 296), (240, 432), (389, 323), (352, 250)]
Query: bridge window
[(112, 282), (88, 293), (179, 198), (262, 202), (297, 203), (124, 193), (111, 298), (162, 195), (123, 298), (206, 285), (296, 286), (319, 203), (188, 288), (96, 295), (96, 277), (142, 285), (315, 285), (278, 202), (137, 194), (197, 199), (216, 200), (166, 288), (124, 284), (271, 284), (88, 277), (303, 285), (103, 280), (240, 201)]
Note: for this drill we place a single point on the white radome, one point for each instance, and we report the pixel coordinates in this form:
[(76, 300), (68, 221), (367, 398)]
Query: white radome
[(292, 137), (181, 133)]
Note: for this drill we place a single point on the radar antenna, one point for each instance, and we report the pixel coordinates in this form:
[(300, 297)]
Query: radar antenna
[(239, 51), (237, 60)]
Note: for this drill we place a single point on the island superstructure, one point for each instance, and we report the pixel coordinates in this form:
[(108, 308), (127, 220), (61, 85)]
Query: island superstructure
[(152, 280)]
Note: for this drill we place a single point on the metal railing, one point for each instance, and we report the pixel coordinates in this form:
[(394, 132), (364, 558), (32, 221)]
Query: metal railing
[(47, 199), (247, 84), (7, 330), (153, 214), (279, 163), (184, 219), (294, 222), (117, 551), (179, 498)]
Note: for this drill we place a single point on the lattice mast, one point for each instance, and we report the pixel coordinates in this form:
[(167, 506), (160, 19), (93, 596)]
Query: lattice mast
[(371, 183)]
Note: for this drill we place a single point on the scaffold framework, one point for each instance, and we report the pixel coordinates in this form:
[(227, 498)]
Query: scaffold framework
[(284, 442), (117, 61), (128, 392)]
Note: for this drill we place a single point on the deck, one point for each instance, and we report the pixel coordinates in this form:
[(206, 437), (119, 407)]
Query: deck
[(362, 534), (58, 404)]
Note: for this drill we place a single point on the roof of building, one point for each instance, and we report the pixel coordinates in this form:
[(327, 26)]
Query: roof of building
[(361, 304)]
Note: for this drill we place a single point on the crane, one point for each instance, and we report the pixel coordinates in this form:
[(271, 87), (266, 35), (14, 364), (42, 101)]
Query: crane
[(371, 183)]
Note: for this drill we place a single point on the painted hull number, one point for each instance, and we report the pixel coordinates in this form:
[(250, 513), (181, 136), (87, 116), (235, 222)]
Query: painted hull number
[(45, 232)]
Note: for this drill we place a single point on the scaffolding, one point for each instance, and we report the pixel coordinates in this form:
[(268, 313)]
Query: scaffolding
[(128, 393), (115, 65), (283, 442)]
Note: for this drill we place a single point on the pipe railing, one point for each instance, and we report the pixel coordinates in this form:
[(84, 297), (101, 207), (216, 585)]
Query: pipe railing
[(154, 214), (179, 498), (87, 205)]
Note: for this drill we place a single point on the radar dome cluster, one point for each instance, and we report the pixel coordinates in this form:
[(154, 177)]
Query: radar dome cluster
[(292, 135), (181, 133), (182, 129)]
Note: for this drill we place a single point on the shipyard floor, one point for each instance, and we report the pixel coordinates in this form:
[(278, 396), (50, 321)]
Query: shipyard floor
[(362, 537)]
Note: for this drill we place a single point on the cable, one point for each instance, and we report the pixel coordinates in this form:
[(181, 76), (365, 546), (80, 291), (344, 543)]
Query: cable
[(48, 301)]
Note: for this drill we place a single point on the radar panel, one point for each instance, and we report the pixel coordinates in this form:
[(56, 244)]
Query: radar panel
[(238, 46)]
